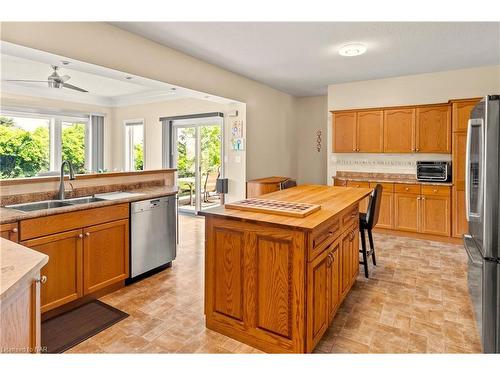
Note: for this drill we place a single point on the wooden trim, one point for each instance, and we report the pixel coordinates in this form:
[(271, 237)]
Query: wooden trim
[(419, 236), (29, 180)]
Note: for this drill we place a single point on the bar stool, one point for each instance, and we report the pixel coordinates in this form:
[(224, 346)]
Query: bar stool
[(366, 223)]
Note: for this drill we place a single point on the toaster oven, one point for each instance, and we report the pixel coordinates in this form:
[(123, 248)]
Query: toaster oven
[(434, 171)]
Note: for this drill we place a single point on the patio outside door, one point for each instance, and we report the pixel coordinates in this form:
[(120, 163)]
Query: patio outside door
[(198, 158)]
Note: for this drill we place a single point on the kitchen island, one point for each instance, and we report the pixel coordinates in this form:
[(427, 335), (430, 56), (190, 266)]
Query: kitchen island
[(275, 282)]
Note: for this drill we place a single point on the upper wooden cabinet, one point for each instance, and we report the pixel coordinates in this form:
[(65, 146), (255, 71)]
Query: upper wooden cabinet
[(433, 130), (399, 130), (461, 113), (369, 131), (344, 132)]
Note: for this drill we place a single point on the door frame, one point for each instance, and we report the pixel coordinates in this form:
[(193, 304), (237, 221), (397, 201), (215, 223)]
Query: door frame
[(170, 151)]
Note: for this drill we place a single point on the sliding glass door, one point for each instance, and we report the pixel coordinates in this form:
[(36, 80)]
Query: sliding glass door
[(197, 155)]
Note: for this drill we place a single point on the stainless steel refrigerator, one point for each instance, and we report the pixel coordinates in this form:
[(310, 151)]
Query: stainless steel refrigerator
[(482, 243)]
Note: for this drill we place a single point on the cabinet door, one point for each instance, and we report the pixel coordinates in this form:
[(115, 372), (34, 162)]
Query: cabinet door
[(333, 282), (458, 164), (363, 204), (64, 269), (345, 259), (369, 134), (344, 132), (435, 215), (10, 231), (461, 114), (433, 130), (459, 220), (399, 130), (386, 216), (318, 318), (105, 255), (406, 212), (354, 253)]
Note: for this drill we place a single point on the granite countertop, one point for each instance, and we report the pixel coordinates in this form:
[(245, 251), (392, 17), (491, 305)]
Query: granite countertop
[(9, 215), (386, 178), (18, 263)]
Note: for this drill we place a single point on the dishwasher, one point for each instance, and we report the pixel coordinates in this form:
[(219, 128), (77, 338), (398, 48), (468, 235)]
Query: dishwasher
[(153, 235)]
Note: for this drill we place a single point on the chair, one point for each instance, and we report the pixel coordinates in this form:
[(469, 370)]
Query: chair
[(366, 223), (210, 184), (290, 183)]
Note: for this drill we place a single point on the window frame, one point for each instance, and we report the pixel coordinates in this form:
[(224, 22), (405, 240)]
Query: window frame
[(128, 136)]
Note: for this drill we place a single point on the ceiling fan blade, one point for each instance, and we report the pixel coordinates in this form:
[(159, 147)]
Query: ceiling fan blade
[(68, 86), (22, 80)]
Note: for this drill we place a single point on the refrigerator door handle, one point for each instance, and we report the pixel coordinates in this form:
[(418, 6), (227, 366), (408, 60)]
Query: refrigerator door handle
[(467, 171), (471, 250)]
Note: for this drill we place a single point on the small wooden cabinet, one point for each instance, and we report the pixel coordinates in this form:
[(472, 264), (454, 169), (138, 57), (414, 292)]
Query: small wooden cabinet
[(319, 296), (399, 130), (435, 214), (105, 255), (406, 211), (433, 129), (369, 131), (10, 231), (64, 269), (461, 110), (344, 132)]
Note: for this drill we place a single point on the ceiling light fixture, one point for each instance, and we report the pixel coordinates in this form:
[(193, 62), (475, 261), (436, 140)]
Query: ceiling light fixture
[(128, 78), (352, 49), (173, 88), (64, 62)]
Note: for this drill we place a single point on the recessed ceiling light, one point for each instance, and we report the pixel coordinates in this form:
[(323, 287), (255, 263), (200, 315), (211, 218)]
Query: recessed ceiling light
[(207, 96), (65, 62), (128, 78), (173, 88), (352, 49)]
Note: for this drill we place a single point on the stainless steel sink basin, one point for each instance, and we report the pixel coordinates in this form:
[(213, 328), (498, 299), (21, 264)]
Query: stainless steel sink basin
[(83, 200), (35, 206)]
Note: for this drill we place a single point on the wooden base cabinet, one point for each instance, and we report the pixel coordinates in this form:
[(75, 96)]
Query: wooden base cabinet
[(274, 288), (64, 269), (435, 215), (406, 212), (81, 260)]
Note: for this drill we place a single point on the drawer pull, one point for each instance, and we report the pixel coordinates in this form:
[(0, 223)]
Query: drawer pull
[(87, 234), (407, 189), (14, 230), (42, 279), (435, 190), (80, 235)]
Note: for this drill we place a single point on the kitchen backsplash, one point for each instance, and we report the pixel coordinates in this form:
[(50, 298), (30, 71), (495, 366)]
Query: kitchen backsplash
[(381, 163)]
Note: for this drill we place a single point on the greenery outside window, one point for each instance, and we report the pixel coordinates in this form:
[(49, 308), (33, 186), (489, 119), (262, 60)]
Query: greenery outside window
[(134, 145), (33, 144)]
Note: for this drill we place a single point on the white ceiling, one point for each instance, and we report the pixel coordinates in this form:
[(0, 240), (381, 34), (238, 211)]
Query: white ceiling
[(107, 87), (302, 58)]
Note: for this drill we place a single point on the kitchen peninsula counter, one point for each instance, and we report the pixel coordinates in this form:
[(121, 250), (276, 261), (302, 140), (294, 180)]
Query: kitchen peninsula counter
[(276, 282)]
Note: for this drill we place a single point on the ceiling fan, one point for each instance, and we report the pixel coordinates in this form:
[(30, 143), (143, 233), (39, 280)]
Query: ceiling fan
[(54, 81)]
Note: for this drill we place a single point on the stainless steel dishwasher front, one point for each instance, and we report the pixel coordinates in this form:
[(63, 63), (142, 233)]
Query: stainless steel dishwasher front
[(153, 234)]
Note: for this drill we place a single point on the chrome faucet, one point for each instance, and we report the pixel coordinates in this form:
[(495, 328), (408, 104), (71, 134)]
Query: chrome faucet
[(60, 195)]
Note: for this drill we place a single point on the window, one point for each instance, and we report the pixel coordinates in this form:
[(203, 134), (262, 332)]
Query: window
[(33, 144), (134, 145)]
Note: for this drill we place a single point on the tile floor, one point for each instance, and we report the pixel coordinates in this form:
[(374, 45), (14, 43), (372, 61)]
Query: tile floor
[(416, 301)]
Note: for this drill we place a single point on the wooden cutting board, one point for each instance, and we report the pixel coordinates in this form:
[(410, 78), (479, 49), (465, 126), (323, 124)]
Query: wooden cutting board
[(269, 206)]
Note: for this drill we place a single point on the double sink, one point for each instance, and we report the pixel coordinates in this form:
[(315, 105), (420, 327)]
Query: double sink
[(43, 205)]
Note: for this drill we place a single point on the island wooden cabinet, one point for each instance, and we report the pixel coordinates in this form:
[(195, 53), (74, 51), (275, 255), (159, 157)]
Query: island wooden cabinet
[(344, 132), (105, 255), (277, 287), (369, 131), (64, 269), (399, 130), (10, 231), (92, 257)]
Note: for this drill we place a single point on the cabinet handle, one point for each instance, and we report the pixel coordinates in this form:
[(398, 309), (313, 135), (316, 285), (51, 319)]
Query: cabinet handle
[(418, 150), (42, 279), (14, 230), (80, 235), (87, 234), (418, 198), (423, 198), (435, 190), (329, 260), (407, 189)]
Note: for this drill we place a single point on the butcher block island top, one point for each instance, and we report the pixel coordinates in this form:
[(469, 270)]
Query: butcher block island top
[(332, 200), (275, 282)]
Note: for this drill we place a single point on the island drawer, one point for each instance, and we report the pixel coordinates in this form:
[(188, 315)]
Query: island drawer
[(322, 237), (43, 226), (350, 216)]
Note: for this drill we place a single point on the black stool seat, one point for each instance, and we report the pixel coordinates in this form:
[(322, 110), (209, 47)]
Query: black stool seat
[(367, 222)]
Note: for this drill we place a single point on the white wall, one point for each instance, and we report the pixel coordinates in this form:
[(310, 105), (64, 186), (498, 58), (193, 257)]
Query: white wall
[(311, 117), (407, 90), (270, 113)]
